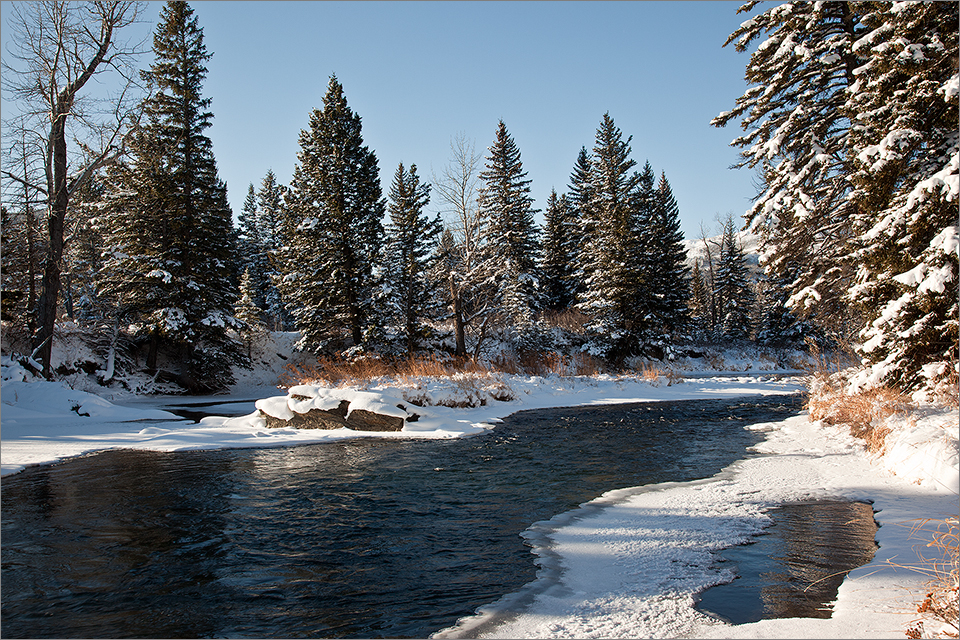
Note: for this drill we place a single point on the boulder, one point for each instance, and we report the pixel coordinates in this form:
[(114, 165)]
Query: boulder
[(358, 419)]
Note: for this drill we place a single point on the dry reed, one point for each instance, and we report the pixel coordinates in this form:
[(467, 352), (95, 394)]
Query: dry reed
[(864, 412), (940, 602)]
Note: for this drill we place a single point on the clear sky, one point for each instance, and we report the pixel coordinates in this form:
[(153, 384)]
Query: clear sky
[(419, 73)]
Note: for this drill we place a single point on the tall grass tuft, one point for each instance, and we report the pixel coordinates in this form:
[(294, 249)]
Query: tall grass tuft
[(863, 412), (940, 603)]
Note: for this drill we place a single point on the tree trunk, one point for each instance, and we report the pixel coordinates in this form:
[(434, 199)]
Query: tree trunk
[(152, 349), (461, 349), (50, 285)]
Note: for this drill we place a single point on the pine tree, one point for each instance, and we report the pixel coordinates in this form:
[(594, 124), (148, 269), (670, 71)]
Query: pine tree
[(700, 303), (250, 246), (410, 252), (510, 238), (669, 282), (797, 139), (274, 230), (335, 196), (581, 209), (558, 258), (248, 313), (732, 289), (906, 143), (614, 259), (170, 228)]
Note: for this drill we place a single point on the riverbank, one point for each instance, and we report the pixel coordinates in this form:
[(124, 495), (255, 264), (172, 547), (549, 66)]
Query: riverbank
[(630, 562), (47, 422)]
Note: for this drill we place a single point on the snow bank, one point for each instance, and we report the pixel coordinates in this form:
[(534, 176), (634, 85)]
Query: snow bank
[(628, 564), (631, 563)]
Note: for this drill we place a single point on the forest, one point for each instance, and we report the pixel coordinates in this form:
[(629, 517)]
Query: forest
[(850, 123)]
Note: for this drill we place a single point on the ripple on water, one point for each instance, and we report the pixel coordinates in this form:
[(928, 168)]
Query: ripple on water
[(352, 539)]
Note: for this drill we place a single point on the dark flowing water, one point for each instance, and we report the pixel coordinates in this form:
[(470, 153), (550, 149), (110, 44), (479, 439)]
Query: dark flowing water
[(369, 538), (794, 569)]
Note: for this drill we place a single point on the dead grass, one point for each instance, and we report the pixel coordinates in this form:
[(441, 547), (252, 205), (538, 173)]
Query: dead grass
[(340, 371), (864, 413), (940, 603)]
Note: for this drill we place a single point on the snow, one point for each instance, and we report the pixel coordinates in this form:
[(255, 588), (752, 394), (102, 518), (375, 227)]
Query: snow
[(627, 564)]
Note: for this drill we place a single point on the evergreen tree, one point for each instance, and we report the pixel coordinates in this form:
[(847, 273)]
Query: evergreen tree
[(797, 138), (248, 313), (170, 228), (558, 258), (732, 289), (851, 122), (581, 209), (250, 246), (509, 238), (274, 230), (614, 257), (335, 196), (778, 326), (410, 252), (700, 303), (906, 141), (669, 283)]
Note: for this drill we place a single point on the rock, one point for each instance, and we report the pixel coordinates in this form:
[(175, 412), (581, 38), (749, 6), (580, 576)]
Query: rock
[(359, 420)]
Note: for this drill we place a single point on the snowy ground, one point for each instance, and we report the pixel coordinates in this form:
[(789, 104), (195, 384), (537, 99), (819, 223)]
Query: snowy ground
[(627, 564)]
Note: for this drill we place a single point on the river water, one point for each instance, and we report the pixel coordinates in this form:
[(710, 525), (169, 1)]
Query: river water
[(365, 538)]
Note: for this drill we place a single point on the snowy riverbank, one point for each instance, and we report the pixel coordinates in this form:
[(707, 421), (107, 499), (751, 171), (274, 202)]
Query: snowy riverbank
[(629, 563)]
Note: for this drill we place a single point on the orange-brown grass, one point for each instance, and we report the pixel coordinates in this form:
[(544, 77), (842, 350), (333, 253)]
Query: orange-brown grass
[(863, 412), (940, 602), (338, 371)]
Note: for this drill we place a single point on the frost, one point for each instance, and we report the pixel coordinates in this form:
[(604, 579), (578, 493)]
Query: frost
[(947, 241), (830, 58), (951, 89), (936, 280), (215, 319), (160, 273), (912, 277)]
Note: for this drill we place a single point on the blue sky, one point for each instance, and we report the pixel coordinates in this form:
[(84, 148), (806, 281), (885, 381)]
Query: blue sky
[(419, 73)]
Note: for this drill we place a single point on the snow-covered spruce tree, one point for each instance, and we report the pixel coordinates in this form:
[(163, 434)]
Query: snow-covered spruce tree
[(248, 313), (615, 258), (669, 282), (509, 240), (797, 139), (409, 256), (580, 197), (904, 106), (699, 303), (170, 229), (733, 290), (274, 228), (250, 246), (559, 235), (335, 196)]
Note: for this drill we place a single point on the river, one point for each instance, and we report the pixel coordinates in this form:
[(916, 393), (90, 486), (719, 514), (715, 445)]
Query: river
[(364, 538)]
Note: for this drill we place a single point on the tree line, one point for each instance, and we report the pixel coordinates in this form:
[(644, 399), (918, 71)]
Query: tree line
[(155, 264), (854, 215)]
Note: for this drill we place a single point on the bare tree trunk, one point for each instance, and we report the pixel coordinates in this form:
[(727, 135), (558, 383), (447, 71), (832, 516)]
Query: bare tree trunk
[(60, 46), (458, 324)]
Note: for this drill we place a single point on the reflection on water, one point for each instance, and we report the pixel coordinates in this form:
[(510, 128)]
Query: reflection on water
[(369, 538), (795, 569)]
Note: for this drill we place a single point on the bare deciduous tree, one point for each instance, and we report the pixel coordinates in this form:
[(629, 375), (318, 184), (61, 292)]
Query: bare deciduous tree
[(457, 190), (58, 47)]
